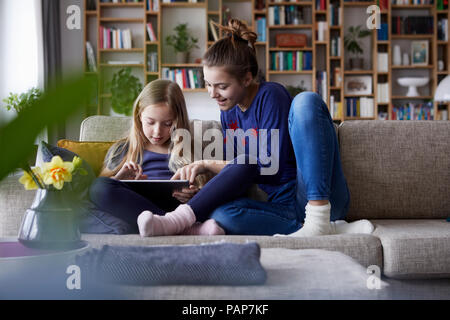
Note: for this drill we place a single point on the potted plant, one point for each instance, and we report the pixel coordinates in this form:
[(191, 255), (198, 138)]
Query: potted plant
[(182, 42), (20, 102), (352, 42), (124, 88)]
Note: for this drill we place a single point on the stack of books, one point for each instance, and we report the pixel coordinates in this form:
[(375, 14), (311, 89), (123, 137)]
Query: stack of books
[(291, 61), (186, 78), (112, 38)]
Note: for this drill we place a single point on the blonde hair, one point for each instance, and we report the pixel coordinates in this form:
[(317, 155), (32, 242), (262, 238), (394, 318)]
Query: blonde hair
[(132, 147)]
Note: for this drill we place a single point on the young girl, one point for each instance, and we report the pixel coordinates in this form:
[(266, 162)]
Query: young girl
[(149, 152), (310, 176)]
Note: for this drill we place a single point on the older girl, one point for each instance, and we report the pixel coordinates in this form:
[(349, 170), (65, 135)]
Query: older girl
[(309, 192)]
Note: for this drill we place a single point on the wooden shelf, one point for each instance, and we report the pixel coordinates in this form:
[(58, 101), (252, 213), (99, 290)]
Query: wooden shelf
[(290, 49), (91, 12), (123, 5), (412, 67), (412, 6), (287, 3), (415, 98), (183, 5), (107, 65), (292, 26), (359, 4), (182, 65), (358, 72), (411, 36), (122, 20), (196, 90), (290, 72), (357, 95)]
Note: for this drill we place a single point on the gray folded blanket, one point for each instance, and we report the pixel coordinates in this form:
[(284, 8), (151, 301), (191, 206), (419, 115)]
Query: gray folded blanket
[(210, 264)]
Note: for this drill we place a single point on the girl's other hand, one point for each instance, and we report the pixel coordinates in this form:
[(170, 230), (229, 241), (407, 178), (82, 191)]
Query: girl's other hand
[(185, 194), (190, 171)]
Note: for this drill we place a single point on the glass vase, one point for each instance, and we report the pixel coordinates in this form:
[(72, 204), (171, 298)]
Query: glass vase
[(51, 222)]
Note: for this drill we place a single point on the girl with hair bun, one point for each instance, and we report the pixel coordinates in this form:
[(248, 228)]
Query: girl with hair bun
[(309, 174)]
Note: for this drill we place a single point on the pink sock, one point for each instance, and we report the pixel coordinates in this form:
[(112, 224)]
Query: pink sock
[(171, 223), (207, 228)]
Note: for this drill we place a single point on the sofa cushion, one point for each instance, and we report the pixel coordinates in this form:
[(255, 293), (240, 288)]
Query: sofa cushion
[(93, 152), (396, 169), (366, 249), (415, 248)]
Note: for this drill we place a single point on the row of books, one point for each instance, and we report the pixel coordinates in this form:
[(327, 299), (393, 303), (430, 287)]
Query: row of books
[(412, 111), (414, 2), (112, 38), (382, 62), (152, 5), (186, 78), (335, 15), (152, 62), (169, 1), (335, 46), (359, 107), (151, 32), (442, 4), (291, 61), (383, 32), (335, 108), (442, 31), (383, 4), (321, 84), (383, 92), (321, 4), (412, 25), (285, 15), (261, 29)]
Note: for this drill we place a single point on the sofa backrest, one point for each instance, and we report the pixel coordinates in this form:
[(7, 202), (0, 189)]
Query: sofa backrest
[(396, 169)]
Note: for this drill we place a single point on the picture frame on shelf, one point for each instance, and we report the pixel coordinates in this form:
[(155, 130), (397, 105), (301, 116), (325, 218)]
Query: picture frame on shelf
[(358, 85), (419, 53)]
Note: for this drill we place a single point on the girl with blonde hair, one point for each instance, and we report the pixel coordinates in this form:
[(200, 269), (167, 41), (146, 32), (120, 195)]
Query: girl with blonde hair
[(152, 150)]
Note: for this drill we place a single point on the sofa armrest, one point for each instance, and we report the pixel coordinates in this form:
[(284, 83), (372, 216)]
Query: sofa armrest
[(14, 201)]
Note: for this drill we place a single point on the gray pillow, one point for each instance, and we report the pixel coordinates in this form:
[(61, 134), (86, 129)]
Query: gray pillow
[(209, 264)]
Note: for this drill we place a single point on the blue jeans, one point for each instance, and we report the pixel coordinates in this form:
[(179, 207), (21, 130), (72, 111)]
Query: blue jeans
[(319, 177)]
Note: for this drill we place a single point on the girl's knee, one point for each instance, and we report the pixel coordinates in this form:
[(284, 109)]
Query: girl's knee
[(305, 105)]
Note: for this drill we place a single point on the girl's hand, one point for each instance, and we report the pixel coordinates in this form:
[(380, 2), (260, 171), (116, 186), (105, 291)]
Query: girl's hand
[(190, 171), (185, 194), (130, 171)]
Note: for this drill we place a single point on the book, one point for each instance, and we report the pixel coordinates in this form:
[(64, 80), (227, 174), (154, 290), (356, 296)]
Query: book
[(151, 32), (212, 27), (92, 65)]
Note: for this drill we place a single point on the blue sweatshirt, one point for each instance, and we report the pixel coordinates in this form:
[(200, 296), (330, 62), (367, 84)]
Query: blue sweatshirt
[(268, 110)]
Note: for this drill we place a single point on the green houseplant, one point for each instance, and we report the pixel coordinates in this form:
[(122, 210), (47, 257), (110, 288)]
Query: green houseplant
[(124, 89), (182, 42), (20, 102), (352, 43)]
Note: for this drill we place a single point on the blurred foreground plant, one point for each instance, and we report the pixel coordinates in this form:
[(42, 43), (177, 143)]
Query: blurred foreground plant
[(17, 137)]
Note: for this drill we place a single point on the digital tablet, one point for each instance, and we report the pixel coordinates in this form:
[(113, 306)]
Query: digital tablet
[(158, 191)]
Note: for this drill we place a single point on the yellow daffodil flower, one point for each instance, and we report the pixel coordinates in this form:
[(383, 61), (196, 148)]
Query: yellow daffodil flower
[(28, 181), (57, 172)]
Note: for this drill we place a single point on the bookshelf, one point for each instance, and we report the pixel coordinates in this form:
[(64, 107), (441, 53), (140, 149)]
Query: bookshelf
[(328, 68)]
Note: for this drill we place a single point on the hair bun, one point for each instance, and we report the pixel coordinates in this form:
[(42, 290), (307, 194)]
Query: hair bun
[(239, 30)]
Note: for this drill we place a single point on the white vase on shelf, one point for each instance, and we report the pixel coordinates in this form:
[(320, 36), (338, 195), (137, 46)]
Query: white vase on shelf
[(397, 59), (405, 59)]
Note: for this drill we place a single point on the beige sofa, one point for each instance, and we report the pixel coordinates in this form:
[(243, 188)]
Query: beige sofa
[(398, 173)]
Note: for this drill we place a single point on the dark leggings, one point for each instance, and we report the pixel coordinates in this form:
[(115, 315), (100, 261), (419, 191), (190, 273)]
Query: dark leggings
[(116, 198)]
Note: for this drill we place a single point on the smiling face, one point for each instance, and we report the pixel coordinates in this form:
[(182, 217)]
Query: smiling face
[(157, 121), (224, 88)]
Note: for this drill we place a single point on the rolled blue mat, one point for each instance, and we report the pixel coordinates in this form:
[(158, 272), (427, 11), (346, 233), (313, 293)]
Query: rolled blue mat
[(210, 264)]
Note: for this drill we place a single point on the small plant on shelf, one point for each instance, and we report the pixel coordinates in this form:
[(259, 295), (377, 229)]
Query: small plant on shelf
[(352, 42), (124, 88), (182, 42)]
